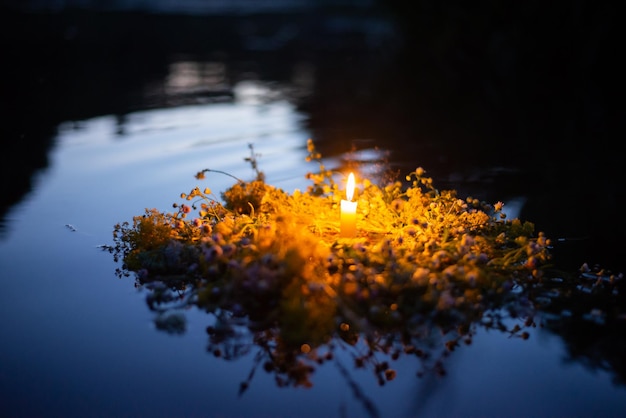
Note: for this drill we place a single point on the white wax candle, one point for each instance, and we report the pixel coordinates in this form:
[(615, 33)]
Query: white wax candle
[(348, 210)]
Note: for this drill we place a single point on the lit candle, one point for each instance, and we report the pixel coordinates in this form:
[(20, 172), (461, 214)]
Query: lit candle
[(348, 210)]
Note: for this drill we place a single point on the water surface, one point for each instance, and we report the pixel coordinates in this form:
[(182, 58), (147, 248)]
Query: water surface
[(81, 342)]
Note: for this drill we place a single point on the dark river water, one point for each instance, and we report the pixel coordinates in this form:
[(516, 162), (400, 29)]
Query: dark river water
[(106, 114)]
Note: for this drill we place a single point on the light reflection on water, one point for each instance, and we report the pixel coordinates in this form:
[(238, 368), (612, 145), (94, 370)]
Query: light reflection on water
[(82, 341)]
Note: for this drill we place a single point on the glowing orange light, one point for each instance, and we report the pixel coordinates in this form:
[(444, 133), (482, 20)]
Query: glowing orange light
[(350, 187), (348, 210)]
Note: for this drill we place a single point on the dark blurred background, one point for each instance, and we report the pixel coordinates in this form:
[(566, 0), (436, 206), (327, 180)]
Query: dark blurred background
[(498, 100)]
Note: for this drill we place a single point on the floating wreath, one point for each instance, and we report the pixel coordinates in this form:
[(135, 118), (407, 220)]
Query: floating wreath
[(425, 268)]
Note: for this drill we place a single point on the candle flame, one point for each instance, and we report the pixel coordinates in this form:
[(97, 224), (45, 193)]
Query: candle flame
[(350, 187)]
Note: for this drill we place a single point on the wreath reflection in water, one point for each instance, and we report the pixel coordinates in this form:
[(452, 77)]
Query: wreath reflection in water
[(425, 269)]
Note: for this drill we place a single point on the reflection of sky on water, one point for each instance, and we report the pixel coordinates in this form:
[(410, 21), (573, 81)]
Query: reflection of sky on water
[(163, 149), (82, 341)]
